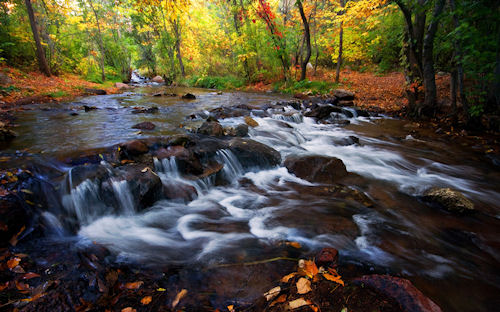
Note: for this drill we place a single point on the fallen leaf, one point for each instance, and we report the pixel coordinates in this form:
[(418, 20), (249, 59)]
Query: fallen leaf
[(161, 289), (334, 276), (294, 244), (129, 309), (179, 297), (272, 293), (146, 300), (308, 268), (303, 286), (13, 240), (230, 308), (297, 303), (145, 169), (22, 286), (280, 299), (286, 278), (12, 263), (134, 285)]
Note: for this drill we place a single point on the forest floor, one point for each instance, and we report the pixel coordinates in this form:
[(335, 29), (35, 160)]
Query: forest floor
[(27, 87)]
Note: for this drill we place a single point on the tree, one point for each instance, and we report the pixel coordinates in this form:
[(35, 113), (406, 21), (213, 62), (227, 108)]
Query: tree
[(99, 40), (307, 38), (341, 44), (40, 53)]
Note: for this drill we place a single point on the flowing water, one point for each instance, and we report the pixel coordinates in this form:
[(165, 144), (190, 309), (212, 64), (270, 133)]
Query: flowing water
[(452, 259)]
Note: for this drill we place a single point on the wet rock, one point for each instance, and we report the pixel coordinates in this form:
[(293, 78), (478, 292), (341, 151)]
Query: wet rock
[(408, 296), (212, 128), (362, 113), (345, 103), (144, 110), (451, 200), (135, 147), (343, 95), (350, 140), (146, 125), (180, 191), (12, 218), (81, 173), (172, 151), (145, 185), (121, 85), (230, 131), (6, 134), (74, 114), (322, 112), (157, 94), (181, 139), (229, 111), (158, 79), (211, 168), (241, 130), (301, 96), (251, 153), (251, 122), (313, 168), (89, 108), (189, 96), (95, 91), (327, 257)]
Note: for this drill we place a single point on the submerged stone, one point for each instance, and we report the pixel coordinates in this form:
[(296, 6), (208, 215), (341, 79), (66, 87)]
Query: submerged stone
[(451, 200)]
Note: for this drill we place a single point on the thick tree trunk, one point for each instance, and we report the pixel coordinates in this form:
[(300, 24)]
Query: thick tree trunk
[(341, 46), (453, 92), (99, 38), (40, 54), (307, 36), (428, 60)]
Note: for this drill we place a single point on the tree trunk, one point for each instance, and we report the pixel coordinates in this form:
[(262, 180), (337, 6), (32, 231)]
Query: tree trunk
[(99, 38), (453, 92), (428, 60), (178, 46), (238, 31), (40, 54), (341, 43), (307, 35)]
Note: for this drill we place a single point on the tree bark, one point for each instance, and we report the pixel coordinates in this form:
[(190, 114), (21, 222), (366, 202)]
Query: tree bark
[(428, 60), (99, 38), (40, 53), (178, 46), (307, 36), (341, 46)]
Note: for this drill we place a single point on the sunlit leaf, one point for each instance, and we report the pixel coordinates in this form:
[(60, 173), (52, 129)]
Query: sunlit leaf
[(146, 300)]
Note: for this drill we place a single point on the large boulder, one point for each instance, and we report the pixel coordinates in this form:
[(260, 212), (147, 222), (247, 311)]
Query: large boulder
[(121, 85), (313, 168), (241, 130), (408, 296), (212, 128), (251, 153), (158, 79), (343, 95), (451, 200), (323, 111), (180, 192), (145, 185), (134, 148)]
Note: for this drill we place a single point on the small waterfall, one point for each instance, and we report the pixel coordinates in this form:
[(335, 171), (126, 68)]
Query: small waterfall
[(295, 118), (84, 202), (232, 166), (350, 112), (168, 166), (125, 200)]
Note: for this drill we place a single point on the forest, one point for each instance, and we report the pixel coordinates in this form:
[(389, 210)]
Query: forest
[(249, 155), (229, 44)]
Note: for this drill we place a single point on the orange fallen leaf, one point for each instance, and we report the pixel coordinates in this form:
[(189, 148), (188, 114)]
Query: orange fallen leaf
[(134, 285), (179, 297), (129, 309), (146, 300), (334, 276), (12, 263), (13, 240), (286, 278), (308, 268), (303, 286), (272, 293), (230, 308), (280, 299), (294, 244), (22, 286)]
